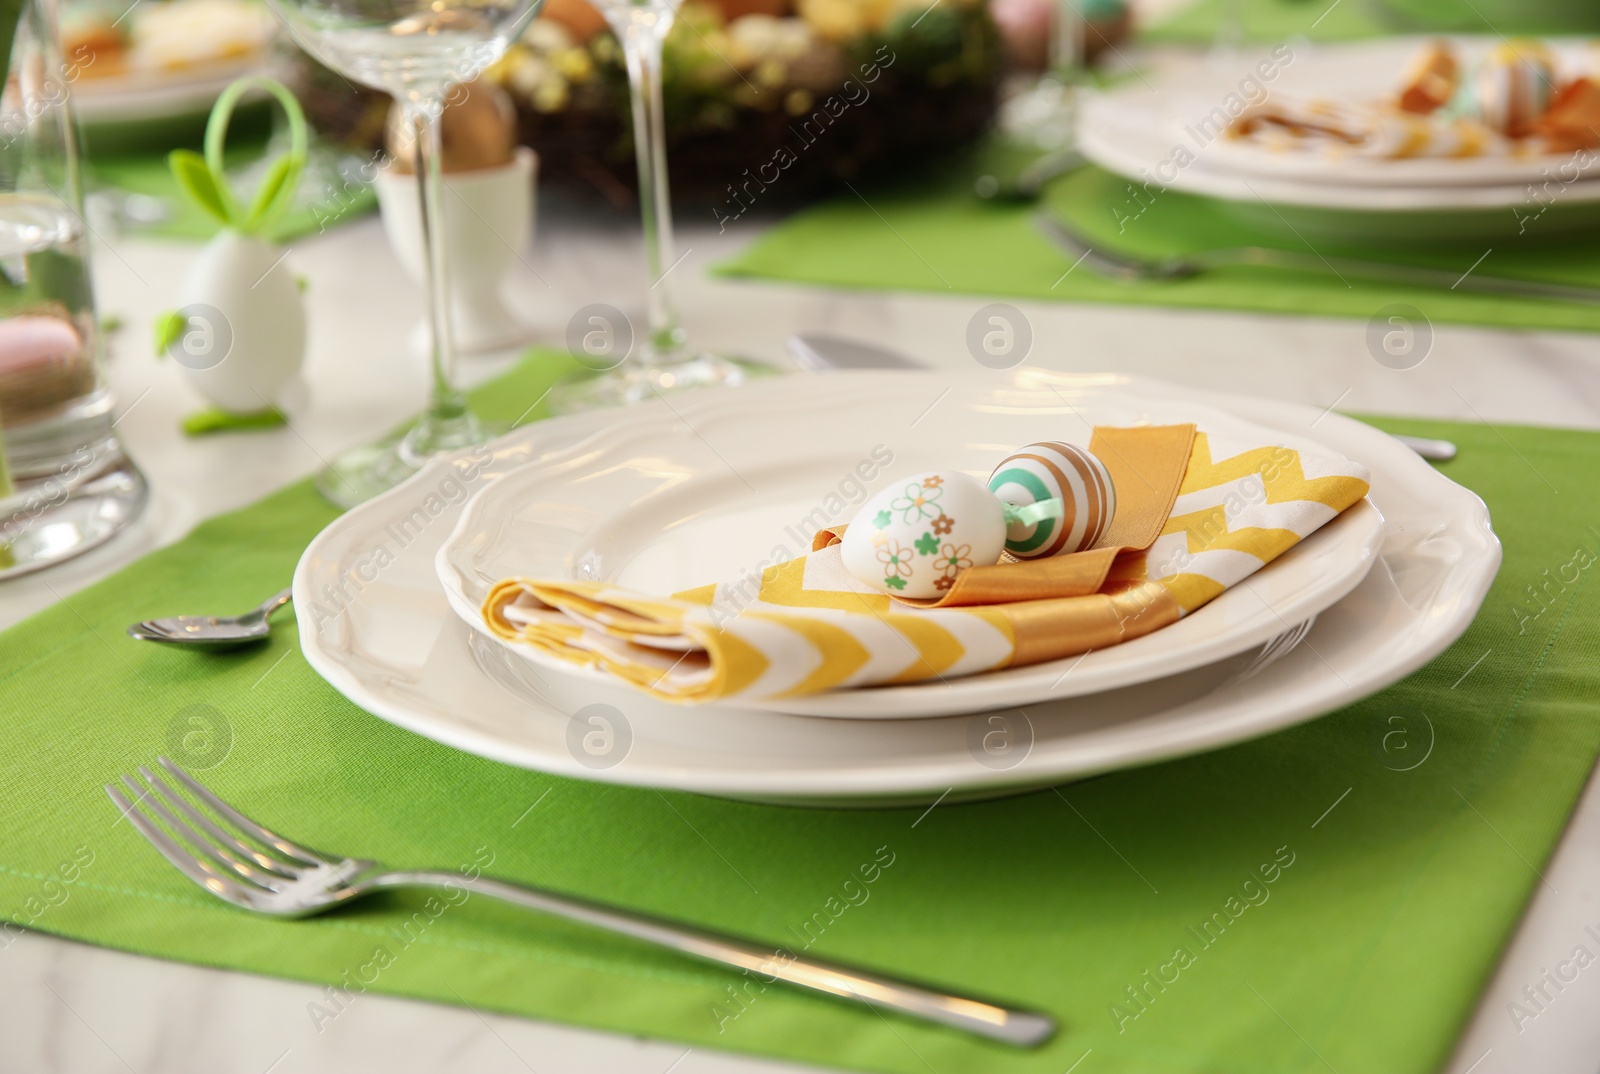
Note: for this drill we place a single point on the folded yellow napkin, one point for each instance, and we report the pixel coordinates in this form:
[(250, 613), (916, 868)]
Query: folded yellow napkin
[(1196, 514)]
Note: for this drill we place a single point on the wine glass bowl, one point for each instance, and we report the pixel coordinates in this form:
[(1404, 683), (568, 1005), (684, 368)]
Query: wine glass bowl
[(403, 47)]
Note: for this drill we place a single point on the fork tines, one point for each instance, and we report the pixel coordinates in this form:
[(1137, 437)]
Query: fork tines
[(235, 865)]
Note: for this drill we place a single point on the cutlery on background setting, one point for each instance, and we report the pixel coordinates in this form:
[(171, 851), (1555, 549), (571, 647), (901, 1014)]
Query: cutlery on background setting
[(1028, 183), (256, 869), (1127, 267), (211, 631), (818, 353)]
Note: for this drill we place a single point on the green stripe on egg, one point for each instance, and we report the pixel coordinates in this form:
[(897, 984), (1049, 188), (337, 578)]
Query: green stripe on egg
[(1065, 472)]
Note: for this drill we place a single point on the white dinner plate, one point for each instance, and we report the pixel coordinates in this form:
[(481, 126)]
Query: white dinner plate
[(151, 95), (644, 505), (1138, 129), (375, 624), (1362, 70), (1173, 109)]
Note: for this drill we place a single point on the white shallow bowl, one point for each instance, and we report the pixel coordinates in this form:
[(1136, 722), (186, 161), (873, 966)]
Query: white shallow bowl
[(375, 623), (645, 506)]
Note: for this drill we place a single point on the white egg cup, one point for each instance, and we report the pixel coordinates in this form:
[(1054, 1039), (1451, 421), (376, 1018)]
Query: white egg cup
[(488, 224)]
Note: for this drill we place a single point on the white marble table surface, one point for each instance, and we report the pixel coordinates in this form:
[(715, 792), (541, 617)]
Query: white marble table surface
[(73, 1008)]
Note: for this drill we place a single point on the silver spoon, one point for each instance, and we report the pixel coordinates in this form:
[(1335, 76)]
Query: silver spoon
[(818, 353), (211, 631)]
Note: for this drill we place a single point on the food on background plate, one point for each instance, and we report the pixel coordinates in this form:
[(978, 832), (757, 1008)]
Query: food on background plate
[(1515, 101), (171, 37), (1512, 88), (1569, 124), (1431, 80)]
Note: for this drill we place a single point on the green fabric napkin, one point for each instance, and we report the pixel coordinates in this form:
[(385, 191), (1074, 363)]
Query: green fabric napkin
[(933, 234), (1332, 909)]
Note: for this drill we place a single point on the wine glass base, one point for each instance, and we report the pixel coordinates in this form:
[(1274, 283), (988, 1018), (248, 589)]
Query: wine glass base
[(49, 521), (1044, 114), (373, 469), (642, 383)]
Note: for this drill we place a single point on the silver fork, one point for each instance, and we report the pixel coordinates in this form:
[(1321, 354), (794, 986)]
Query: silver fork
[(1122, 266), (257, 869)]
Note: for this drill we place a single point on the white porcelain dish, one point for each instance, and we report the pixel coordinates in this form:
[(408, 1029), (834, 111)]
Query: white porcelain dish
[(151, 95), (1187, 103), (1139, 129), (1361, 70), (375, 623), (651, 508)]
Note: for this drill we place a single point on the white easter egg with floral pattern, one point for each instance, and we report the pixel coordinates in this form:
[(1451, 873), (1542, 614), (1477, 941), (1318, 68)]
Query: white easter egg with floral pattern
[(913, 538)]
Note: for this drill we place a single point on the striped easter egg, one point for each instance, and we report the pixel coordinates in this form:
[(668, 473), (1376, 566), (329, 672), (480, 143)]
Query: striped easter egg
[(1514, 85), (1050, 470)]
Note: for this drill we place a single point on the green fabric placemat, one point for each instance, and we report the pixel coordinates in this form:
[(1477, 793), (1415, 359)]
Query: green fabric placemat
[(933, 234), (1333, 910), (1347, 20), (1271, 20)]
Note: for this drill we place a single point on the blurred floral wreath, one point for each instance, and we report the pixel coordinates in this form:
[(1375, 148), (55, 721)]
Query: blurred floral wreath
[(845, 88)]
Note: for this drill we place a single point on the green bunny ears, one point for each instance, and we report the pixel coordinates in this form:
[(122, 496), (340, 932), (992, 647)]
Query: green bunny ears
[(205, 182)]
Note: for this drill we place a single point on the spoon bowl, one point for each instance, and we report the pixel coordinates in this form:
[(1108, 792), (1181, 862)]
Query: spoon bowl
[(211, 631)]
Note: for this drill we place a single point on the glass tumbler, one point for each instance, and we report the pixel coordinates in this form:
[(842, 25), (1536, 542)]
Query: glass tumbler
[(66, 485)]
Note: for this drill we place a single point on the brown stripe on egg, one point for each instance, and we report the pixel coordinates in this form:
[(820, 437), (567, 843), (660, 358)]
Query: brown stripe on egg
[(1069, 513), (1094, 492), (1102, 503)]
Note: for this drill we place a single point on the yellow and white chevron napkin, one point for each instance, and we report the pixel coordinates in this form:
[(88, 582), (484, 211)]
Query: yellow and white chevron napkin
[(1197, 513)]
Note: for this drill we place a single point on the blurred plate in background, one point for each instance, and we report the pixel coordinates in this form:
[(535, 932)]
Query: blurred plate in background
[(155, 95), (1150, 133)]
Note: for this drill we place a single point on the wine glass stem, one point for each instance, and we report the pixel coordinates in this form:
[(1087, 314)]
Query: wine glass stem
[(1230, 32), (1067, 43), (642, 33), (447, 423)]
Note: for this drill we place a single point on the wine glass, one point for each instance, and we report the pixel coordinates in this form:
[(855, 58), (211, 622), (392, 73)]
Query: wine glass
[(666, 361), (1045, 113), (415, 50), (1231, 28)]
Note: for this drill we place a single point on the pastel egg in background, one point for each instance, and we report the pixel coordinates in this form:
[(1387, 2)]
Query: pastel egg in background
[(1513, 86), (914, 537), (1044, 471)]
